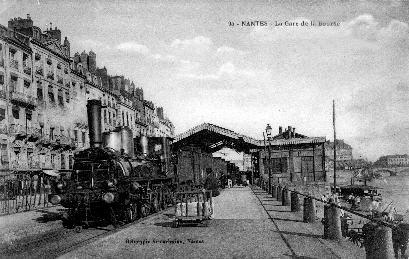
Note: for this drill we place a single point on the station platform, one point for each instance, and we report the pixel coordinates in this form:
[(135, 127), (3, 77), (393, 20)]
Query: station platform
[(247, 223)]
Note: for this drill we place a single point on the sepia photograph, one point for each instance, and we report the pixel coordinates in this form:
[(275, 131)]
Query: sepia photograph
[(204, 129)]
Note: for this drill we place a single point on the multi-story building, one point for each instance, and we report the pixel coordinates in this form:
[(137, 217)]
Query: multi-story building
[(17, 101), (344, 155), (247, 166), (43, 96), (343, 150), (149, 110), (392, 160)]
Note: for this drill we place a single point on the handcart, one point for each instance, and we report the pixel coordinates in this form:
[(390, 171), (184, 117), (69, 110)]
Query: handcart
[(193, 207)]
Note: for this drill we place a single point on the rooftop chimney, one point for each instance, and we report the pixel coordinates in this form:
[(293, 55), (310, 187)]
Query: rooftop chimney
[(94, 123), (280, 130), (293, 132), (289, 131)]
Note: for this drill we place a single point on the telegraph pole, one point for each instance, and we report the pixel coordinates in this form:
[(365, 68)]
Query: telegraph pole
[(335, 145)]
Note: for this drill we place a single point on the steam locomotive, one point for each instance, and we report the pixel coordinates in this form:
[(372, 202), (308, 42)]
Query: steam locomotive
[(110, 183)]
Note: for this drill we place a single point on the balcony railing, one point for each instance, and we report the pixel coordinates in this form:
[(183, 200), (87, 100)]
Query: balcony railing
[(64, 140), (14, 64), (44, 140), (27, 70), (17, 129), (55, 142), (23, 98), (34, 133)]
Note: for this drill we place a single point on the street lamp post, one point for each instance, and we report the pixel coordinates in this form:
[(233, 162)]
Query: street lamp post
[(268, 134)]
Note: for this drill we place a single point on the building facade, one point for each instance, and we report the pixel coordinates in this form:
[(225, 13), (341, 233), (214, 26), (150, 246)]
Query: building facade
[(43, 96), (392, 161), (291, 157), (344, 155)]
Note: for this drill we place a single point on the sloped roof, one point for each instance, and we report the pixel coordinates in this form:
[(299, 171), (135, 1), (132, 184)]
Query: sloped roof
[(216, 137)]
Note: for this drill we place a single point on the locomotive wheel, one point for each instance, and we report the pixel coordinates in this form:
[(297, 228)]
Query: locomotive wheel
[(78, 229), (131, 213)]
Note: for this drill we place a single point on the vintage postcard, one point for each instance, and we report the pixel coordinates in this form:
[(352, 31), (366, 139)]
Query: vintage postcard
[(204, 129)]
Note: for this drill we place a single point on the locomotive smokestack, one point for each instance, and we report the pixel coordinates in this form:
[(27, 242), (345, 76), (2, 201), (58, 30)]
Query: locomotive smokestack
[(94, 123)]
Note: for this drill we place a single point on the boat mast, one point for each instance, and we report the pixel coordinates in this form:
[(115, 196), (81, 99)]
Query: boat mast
[(335, 145)]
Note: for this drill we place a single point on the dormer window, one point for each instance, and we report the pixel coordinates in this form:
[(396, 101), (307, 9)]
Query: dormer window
[(59, 66), (49, 61), (65, 70), (37, 56)]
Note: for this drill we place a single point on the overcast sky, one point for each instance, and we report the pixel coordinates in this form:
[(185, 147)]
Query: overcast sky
[(187, 59)]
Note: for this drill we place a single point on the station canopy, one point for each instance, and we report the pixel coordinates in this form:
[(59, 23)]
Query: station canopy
[(211, 138)]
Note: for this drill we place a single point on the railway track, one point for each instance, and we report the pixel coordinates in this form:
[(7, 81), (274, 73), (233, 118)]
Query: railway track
[(57, 242)]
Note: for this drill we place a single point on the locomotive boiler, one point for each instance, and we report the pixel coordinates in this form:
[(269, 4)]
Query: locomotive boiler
[(115, 181)]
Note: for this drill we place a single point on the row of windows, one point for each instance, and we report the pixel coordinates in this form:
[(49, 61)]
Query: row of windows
[(109, 119), (38, 59), (51, 95), (14, 82)]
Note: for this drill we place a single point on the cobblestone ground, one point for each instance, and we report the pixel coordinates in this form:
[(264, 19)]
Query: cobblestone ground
[(304, 239), (16, 226), (245, 224)]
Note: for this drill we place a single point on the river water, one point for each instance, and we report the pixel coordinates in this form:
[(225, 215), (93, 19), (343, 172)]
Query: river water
[(395, 190)]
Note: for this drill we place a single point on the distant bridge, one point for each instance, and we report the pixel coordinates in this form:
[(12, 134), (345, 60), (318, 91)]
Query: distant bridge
[(392, 170)]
